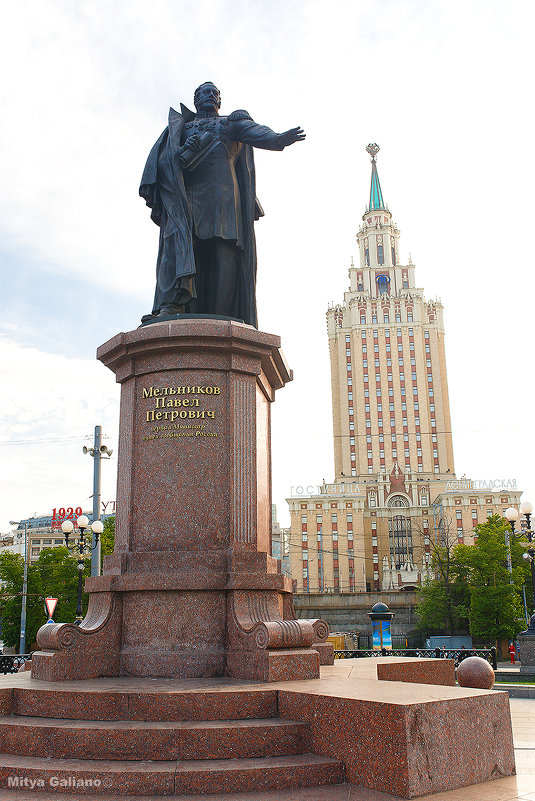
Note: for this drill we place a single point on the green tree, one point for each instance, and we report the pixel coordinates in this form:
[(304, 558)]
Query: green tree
[(443, 601), (11, 578), (55, 574), (107, 538), (495, 603)]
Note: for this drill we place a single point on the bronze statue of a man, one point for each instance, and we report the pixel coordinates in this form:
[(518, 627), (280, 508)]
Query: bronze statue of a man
[(199, 182)]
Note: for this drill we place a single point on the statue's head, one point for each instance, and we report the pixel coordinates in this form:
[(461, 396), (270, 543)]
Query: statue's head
[(207, 97)]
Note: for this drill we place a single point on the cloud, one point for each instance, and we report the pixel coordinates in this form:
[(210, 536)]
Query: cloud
[(50, 405)]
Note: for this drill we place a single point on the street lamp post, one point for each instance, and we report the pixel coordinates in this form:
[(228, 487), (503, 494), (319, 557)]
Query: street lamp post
[(98, 452), (82, 546), (512, 515), (22, 641)]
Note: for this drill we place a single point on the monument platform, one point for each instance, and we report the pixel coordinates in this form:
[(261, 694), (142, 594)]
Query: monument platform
[(191, 737), (191, 588)]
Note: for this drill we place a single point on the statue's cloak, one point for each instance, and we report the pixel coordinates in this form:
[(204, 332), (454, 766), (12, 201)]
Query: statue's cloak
[(162, 187)]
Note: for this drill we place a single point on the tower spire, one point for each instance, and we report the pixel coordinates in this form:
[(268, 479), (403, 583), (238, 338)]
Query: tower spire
[(376, 196)]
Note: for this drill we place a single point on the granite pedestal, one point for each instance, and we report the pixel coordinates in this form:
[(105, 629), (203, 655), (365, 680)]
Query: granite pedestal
[(191, 588), (526, 643), (182, 737)]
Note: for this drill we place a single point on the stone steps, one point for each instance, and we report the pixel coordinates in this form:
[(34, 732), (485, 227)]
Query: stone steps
[(160, 741), (333, 792), (169, 778), (152, 740), (121, 704)]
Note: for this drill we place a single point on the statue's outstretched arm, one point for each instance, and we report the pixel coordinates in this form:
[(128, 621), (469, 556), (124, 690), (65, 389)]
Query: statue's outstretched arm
[(250, 133)]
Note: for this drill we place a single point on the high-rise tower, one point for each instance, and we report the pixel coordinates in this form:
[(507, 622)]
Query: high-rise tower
[(395, 489), (388, 365)]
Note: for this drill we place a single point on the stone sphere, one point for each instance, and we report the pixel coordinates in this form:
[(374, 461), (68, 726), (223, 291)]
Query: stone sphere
[(475, 672)]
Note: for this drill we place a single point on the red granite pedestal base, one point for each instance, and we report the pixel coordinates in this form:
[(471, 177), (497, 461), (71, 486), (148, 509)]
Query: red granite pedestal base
[(167, 737), (191, 589)]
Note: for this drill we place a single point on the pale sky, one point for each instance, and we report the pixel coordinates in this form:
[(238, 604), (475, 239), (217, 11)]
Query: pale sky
[(445, 88)]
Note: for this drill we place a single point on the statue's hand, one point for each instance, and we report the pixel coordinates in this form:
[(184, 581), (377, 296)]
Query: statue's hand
[(193, 143), (291, 136)]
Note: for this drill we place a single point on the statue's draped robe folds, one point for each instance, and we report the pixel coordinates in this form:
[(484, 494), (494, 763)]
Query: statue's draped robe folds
[(217, 199)]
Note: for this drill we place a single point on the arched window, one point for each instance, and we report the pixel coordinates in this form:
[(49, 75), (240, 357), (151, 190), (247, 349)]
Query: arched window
[(398, 501)]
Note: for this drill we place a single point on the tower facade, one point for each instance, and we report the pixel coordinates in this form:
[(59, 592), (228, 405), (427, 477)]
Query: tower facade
[(388, 365), (395, 489)]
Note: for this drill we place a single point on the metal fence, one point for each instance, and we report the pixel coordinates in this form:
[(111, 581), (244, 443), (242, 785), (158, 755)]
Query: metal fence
[(458, 654), (12, 663), (358, 639)]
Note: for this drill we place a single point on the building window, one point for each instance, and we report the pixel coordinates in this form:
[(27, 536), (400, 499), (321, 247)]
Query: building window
[(367, 255), (393, 249), (400, 536), (380, 255), (409, 317)]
